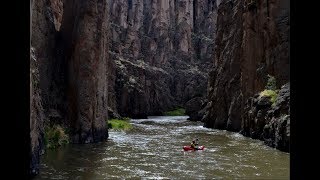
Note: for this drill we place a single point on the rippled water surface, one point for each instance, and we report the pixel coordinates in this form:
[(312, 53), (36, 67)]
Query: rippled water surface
[(153, 150)]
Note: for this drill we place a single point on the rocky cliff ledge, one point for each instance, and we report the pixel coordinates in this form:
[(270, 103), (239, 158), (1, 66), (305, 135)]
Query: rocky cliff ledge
[(267, 121)]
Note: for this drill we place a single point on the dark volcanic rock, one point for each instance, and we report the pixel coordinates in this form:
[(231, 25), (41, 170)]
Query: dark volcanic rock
[(255, 117), (269, 123), (139, 85), (163, 50), (85, 50), (194, 107), (277, 132), (263, 102)]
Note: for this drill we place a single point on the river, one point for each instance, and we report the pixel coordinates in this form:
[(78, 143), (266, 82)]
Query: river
[(153, 150)]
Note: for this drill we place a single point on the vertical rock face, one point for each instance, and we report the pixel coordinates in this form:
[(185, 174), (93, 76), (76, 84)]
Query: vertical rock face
[(52, 69), (252, 41), (57, 9), (162, 50), (69, 58), (265, 44), (224, 96), (36, 115), (194, 108), (84, 32), (42, 45)]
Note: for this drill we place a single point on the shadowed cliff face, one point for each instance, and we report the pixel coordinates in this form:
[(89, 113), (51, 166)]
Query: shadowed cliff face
[(162, 51), (41, 57), (57, 10), (68, 80), (84, 32), (225, 95), (252, 41), (36, 116)]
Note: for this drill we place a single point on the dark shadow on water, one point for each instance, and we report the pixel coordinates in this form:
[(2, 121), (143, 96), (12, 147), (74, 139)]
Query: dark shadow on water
[(73, 161)]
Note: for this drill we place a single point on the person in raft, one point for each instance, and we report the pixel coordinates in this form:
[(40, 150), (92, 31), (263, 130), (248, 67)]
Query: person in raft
[(197, 142), (194, 145)]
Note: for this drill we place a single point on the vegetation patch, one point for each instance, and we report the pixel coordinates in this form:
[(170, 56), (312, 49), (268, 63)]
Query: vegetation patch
[(270, 93), (119, 124), (271, 89), (55, 136), (176, 112)]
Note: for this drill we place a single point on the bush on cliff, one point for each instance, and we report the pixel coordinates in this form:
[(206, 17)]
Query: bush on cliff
[(270, 89), (55, 136), (270, 93), (176, 112), (119, 124)]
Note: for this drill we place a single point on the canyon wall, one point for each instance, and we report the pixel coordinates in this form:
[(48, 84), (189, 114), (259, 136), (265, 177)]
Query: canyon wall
[(84, 46), (162, 51), (68, 71), (41, 54), (252, 42)]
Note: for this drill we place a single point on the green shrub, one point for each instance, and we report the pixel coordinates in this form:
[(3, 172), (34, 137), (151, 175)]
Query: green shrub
[(271, 89), (119, 124), (270, 93), (55, 136), (176, 112)]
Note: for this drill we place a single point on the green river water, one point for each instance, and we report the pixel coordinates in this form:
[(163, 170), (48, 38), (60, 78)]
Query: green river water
[(153, 150)]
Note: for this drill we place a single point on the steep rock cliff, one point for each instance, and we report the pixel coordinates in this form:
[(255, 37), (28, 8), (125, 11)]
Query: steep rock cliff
[(41, 55), (224, 97), (252, 41), (52, 69), (84, 48), (68, 69), (36, 116), (162, 51)]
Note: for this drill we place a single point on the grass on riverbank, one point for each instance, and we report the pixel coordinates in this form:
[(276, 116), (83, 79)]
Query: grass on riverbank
[(119, 124), (55, 136), (176, 112)]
